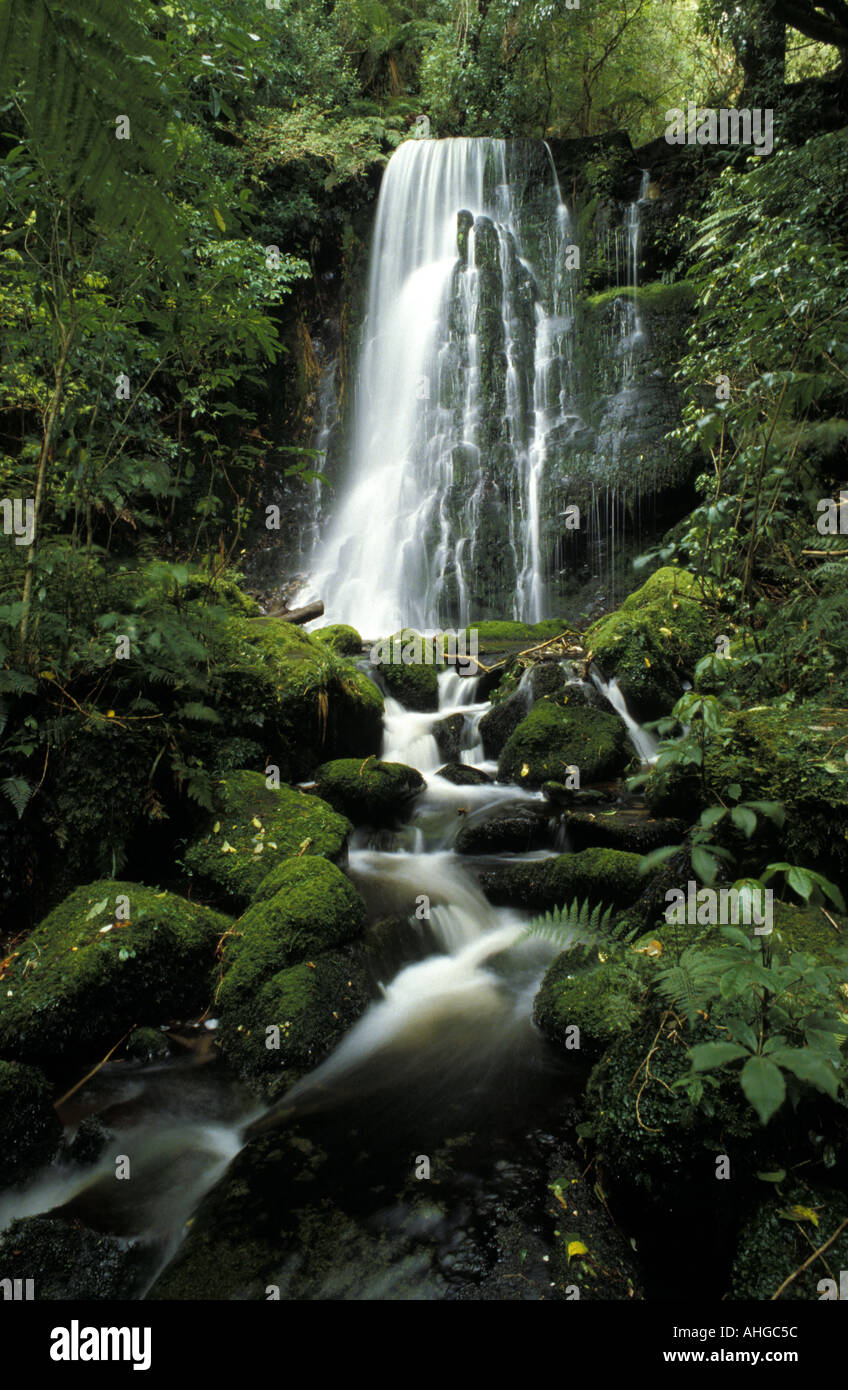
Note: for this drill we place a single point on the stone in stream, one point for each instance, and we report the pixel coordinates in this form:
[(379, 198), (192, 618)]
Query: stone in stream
[(67, 1261), (253, 828), (340, 638), (516, 830), (463, 775), (553, 738), (292, 980), (448, 733), (635, 831), (369, 792), (597, 997), (29, 1129), (653, 641), (602, 875), (111, 953)]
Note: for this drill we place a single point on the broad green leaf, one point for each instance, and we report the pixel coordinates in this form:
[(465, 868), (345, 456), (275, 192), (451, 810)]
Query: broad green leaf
[(764, 1087), (705, 1056)]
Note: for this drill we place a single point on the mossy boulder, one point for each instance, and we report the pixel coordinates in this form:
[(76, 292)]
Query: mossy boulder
[(808, 930), (280, 971), (29, 1128), (554, 737), (306, 702), (516, 831), (111, 953), (254, 828), (653, 641), (601, 999), (68, 1262), (650, 1137), (774, 753), (463, 775), (408, 669), (635, 831), (276, 1031), (340, 638), (369, 792), (772, 1246), (607, 876)]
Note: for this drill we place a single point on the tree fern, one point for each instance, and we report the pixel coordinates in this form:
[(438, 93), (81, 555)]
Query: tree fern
[(76, 67)]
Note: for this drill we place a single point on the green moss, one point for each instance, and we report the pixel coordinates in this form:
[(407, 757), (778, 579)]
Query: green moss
[(226, 861), (601, 875), (85, 976), (370, 791), (553, 737), (772, 1246), (147, 1045), (311, 1004), (776, 753), (620, 830), (653, 642), (602, 1001), (68, 1262), (806, 929), (309, 703), (657, 296), (415, 683), (340, 638), (666, 1145), (29, 1129)]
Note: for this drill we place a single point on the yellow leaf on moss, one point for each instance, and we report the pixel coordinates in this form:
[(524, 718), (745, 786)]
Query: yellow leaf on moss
[(576, 1247)]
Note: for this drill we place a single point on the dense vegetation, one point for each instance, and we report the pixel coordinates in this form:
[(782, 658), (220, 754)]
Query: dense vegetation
[(176, 179)]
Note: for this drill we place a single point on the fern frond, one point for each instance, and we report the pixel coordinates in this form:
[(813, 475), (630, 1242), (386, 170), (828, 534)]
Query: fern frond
[(564, 924), (689, 986), (18, 790)]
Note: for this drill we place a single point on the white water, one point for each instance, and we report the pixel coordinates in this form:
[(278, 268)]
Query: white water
[(394, 554), (645, 743)]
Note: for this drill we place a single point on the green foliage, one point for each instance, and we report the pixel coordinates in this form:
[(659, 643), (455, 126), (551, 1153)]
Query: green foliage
[(564, 924)]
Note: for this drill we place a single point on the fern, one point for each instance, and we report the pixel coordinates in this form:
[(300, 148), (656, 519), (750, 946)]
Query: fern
[(77, 66), (689, 986), (565, 923), (19, 791)]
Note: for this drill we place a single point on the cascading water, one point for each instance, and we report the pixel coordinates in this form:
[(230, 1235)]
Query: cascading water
[(464, 371)]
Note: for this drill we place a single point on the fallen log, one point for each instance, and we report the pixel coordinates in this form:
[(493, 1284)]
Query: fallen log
[(300, 615)]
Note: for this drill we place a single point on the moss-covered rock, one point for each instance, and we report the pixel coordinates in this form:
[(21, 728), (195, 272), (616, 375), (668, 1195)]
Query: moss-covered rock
[(409, 669), (147, 1045), (29, 1129), (280, 971), (111, 953), (600, 999), (341, 638), (463, 775), (785, 754), (653, 641), (369, 792), (554, 737), (66, 1261), (650, 1137), (254, 828), (276, 1031), (307, 702), (591, 1254), (633, 831), (517, 830), (772, 1246), (602, 875), (808, 930)]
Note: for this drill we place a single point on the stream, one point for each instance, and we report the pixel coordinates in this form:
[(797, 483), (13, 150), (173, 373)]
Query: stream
[(437, 1114)]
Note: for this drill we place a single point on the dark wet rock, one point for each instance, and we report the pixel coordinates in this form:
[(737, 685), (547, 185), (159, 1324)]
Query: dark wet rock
[(90, 1140), (29, 1129), (68, 1261), (601, 875), (635, 831), (148, 1045), (463, 775), (448, 733), (513, 830), (558, 794), (394, 942)]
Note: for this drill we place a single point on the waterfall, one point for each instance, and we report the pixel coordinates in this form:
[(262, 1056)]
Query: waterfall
[(464, 372), (645, 743)]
